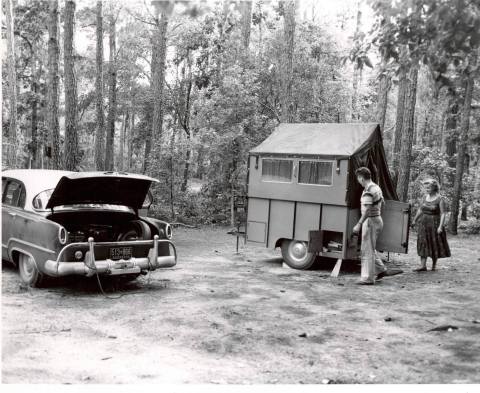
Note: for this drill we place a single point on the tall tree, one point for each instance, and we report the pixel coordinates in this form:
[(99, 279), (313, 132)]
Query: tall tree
[(246, 22), (408, 128), (112, 95), (382, 95), (123, 132), (35, 143), (100, 115), (462, 144), (163, 10), (52, 86), (71, 137), (289, 9), (12, 84), (397, 143), (357, 69)]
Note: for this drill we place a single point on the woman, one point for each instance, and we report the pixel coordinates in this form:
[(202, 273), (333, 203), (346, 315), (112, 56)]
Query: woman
[(432, 239)]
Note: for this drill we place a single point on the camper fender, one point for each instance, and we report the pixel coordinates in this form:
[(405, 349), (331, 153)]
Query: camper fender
[(279, 242)]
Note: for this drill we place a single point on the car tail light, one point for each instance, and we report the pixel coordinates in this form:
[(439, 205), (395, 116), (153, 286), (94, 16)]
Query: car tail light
[(62, 235), (168, 231)]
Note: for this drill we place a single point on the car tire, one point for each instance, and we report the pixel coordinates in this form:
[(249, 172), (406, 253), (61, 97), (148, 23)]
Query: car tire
[(295, 254), (138, 230), (29, 272)]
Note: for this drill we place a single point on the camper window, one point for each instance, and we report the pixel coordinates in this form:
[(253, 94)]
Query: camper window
[(316, 172), (277, 170)]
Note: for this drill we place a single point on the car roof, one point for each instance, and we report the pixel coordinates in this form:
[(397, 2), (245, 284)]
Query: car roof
[(35, 181)]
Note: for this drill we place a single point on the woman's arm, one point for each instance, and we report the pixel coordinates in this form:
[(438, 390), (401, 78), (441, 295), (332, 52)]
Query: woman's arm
[(417, 216), (443, 214)]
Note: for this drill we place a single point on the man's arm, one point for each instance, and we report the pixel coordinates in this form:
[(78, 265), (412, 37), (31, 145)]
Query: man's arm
[(364, 216)]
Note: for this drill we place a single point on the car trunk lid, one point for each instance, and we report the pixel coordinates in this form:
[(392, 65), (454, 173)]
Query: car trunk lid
[(111, 188)]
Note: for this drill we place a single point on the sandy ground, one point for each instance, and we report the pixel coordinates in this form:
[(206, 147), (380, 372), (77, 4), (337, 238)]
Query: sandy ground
[(218, 317)]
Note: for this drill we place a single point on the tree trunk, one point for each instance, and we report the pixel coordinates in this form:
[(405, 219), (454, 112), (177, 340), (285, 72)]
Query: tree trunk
[(462, 151), (34, 119), (71, 138), (112, 97), (186, 124), (246, 23), (397, 144), (126, 121), (12, 85), (52, 85), (131, 127), (158, 77), (100, 115), (357, 72), (290, 7), (382, 99), (407, 138), (451, 134)]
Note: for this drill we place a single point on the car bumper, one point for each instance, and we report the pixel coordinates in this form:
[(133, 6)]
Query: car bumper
[(133, 265)]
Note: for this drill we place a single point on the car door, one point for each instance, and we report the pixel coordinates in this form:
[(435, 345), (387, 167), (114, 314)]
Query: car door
[(396, 223), (13, 201)]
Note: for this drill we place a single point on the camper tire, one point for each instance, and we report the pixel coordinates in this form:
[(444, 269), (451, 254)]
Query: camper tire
[(295, 254)]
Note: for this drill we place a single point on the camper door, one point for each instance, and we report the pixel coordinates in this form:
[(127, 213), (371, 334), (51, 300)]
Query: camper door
[(396, 220)]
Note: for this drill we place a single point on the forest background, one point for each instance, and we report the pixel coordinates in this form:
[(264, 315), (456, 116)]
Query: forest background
[(182, 90)]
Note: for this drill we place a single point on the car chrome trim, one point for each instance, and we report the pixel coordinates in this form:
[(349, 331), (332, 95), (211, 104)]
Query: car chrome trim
[(86, 245), (108, 266), (14, 239), (58, 269), (24, 252)]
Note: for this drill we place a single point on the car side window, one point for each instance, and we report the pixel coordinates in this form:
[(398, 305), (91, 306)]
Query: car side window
[(14, 194)]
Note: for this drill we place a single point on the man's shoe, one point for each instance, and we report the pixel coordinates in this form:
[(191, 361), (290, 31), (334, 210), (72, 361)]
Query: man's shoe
[(365, 283), (388, 273), (381, 275)]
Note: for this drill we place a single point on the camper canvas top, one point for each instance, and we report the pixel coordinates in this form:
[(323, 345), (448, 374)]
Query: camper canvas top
[(317, 139)]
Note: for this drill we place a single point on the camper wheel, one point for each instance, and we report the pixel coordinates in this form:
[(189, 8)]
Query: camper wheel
[(295, 254)]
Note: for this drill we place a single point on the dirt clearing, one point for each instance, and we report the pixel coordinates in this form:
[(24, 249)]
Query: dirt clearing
[(218, 317)]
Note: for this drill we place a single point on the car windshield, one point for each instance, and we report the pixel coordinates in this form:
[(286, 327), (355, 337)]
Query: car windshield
[(41, 200)]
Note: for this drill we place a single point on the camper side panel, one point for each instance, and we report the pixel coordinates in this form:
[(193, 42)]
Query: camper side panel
[(257, 221), (281, 221), (292, 190), (307, 218)]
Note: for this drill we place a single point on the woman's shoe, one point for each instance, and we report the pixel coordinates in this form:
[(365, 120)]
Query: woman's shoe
[(420, 269)]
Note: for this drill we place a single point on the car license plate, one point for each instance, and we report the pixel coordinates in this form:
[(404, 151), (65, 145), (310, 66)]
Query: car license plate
[(120, 253)]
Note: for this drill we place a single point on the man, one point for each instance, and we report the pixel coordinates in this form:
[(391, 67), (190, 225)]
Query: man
[(371, 224)]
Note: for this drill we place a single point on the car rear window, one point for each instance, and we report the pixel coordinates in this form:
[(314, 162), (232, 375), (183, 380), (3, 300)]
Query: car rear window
[(41, 200)]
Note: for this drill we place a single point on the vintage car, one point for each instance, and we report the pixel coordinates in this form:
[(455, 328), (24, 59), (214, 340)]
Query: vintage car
[(58, 223)]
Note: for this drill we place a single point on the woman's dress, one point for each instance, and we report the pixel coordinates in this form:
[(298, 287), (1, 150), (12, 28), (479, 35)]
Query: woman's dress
[(429, 242)]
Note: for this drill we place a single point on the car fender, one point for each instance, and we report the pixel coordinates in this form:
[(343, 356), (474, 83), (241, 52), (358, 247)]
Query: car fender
[(35, 236), (159, 227)]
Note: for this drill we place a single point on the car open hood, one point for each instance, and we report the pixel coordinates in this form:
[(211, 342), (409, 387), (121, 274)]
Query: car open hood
[(101, 188)]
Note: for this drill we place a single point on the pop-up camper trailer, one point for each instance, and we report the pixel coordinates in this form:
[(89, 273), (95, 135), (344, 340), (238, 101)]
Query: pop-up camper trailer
[(303, 195)]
